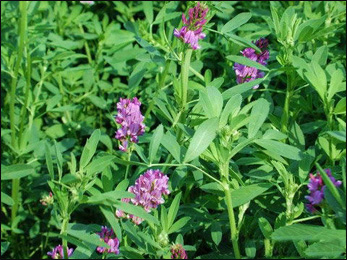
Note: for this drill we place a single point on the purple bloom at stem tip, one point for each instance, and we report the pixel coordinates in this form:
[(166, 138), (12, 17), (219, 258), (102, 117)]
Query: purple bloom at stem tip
[(58, 252), (191, 32), (131, 120), (178, 252), (148, 190)]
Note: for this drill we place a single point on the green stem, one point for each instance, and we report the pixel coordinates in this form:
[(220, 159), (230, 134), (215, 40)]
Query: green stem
[(22, 36), (224, 171), (268, 247), (232, 222), (90, 60), (305, 219), (185, 76), (128, 166), (64, 233), (286, 109)]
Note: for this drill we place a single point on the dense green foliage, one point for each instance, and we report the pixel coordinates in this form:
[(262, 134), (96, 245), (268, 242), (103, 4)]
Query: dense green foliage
[(238, 159)]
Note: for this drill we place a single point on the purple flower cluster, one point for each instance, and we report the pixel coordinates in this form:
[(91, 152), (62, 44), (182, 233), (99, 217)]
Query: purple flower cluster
[(58, 252), (131, 120), (148, 189), (316, 187), (245, 73), (177, 252), (191, 32), (107, 235)]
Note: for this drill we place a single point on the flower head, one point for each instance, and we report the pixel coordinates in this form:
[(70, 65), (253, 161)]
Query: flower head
[(47, 200), (58, 252), (317, 187), (107, 235), (245, 73), (131, 120), (177, 252), (148, 190), (191, 32)]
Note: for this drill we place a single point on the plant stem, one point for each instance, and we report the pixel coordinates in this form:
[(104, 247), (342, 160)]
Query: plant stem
[(128, 166), (185, 76), (64, 233), (22, 36), (285, 115), (224, 171), (305, 219), (268, 247), (232, 222)]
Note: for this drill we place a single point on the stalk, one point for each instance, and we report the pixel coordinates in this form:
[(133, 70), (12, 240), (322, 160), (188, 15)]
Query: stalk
[(64, 233), (22, 36), (224, 171), (286, 109), (268, 247), (184, 77)]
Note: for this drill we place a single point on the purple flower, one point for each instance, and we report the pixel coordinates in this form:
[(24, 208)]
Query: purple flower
[(148, 190), (131, 120), (107, 235), (191, 32), (177, 252), (245, 73), (316, 187), (58, 252)]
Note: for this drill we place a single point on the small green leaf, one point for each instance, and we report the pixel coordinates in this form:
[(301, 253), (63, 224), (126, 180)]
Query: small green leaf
[(216, 232), (89, 148), (16, 171), (202, 138), (99, 164), (178, 225), (265, 227), (170, 143), (236, 22), (174, 209), (258, 116), (4, 246), (155, 142), (231, 109), (281, 149), (6, 199), (246, 193), (246, 61), (211, 101)]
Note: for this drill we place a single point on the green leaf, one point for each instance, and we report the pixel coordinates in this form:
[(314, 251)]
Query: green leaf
[(231, 109), (281, 149), (170, 143), (211, 101), (202, 138), (90, 148), (339, 135), (49, 161), (15, 171), (125, 162), (236, 22), (148, 10), (265, 227), (112, 196), (136, 210), (4, 246), (327, 249), (241, 88), (246, 193), (109, 215), (6, 199), (59, 157), (258, 116), (340, 106), (82, 232), (155, 142), (174, 209), (308, 233), (99, 164), (216, 232), (164, 218), (178, 225), (246, 61)]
